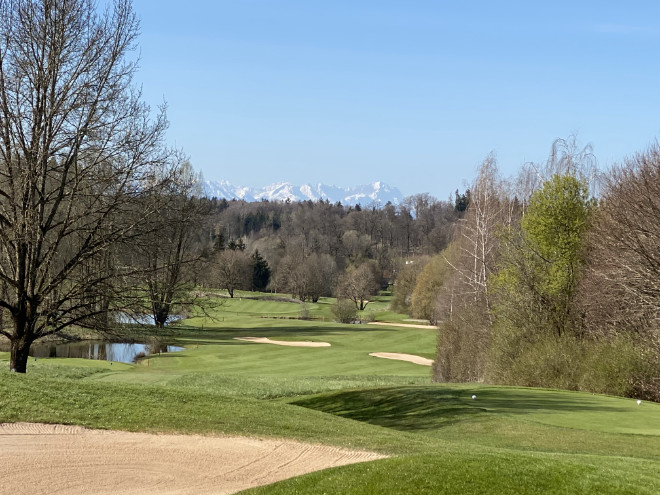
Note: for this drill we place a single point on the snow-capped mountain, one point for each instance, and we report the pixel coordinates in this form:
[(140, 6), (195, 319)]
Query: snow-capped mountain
[(376, 192)]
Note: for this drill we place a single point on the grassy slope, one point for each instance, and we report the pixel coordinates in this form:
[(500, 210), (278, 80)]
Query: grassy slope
[(481, 473), (508, 440)]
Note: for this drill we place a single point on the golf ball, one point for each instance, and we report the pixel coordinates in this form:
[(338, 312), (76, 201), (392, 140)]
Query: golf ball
[(474, 396), (639, 402)]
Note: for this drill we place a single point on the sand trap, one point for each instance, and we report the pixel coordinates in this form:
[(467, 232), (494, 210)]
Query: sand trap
[(38, 458), (411, 358), (402, 325), (266, 340)]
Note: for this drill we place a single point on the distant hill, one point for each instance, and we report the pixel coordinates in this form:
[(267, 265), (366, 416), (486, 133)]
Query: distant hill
[(376, 192)]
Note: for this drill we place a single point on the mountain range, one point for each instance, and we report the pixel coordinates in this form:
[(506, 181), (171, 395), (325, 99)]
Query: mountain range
[(377, 192)]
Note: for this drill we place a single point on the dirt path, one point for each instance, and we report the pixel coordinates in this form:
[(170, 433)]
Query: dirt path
[(402, 325), (266, 340), (411, 358), (58, 459)]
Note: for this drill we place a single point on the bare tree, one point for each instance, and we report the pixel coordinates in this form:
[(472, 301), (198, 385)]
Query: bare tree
[(625, 250), (356, 245), (464, 301), (233, 270), (620, 292), (170, 246), (308, 277), (358, 284), (476, 236), (320, 271), (566, 157), (77, 151)]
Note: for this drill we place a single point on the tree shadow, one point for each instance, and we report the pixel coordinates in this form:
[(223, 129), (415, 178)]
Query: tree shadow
[(431, 408), (217, 335)]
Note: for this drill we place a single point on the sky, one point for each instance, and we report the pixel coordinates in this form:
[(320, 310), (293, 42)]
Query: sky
[(412, 93)]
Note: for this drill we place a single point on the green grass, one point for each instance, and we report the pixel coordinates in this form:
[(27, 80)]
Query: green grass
[(482, 473), (94, 404), (437, 406), (505, 417), (507, 440)]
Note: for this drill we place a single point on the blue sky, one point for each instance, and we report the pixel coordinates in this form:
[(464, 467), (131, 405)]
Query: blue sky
[(413, 93)]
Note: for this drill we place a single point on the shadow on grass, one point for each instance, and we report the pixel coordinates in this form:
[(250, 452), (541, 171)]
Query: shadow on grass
[(216, 335), (430, 408), (166, 355)]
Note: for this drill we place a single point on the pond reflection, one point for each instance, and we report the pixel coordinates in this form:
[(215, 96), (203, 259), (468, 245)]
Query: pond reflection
[(142, 319), (116, 351)]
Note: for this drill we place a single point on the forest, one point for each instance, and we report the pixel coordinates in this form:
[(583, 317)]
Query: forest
[(307, 248)]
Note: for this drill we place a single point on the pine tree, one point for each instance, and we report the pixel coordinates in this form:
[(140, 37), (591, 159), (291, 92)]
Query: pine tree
[(260, 272)]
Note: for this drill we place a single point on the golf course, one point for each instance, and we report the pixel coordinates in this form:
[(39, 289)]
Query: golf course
[(321, 415)]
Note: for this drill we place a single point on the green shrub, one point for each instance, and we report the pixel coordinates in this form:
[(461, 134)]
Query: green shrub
[(428, 283), (613, 366), (540, 360), (368, 316), (404, 285), (462, 348), (344, 311), (304, 313)]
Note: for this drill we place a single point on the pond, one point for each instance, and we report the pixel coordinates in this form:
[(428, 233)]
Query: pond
[(122, 352), (143, 319)]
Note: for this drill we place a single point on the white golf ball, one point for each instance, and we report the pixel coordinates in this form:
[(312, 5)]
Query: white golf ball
[(639, 402), (474, 396)]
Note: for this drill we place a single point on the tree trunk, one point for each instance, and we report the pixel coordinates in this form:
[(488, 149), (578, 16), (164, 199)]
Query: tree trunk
[(161, 316), (20, 349)]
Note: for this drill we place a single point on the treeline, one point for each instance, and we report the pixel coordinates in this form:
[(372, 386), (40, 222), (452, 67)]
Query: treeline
[(311, 249), (551, 279)]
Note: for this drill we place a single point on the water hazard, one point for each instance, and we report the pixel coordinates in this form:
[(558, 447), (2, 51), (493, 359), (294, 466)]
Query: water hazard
[(108, 351)]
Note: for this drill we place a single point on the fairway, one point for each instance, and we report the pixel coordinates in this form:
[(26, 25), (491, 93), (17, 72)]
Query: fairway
[(439, 438)]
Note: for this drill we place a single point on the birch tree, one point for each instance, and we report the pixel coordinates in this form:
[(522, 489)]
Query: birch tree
[(477, 235)]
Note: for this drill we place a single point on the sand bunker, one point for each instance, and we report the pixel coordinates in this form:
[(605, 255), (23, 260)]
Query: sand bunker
[(266, 340), (38, 458), (411, 358), (402, 325)]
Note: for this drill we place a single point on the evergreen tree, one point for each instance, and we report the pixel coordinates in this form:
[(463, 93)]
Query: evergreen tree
[(219, 242), (462, 201), (260, 272), (237, 245)]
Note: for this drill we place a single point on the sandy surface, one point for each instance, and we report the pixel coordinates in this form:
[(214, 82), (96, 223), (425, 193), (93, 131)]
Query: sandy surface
[(411, 358), (266, 340), (402, 325), (58, 459)]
